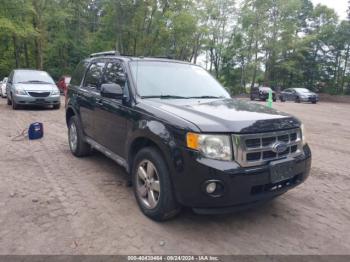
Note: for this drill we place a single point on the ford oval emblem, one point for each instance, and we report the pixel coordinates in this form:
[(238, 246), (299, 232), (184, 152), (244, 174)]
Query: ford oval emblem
[(279, 147)]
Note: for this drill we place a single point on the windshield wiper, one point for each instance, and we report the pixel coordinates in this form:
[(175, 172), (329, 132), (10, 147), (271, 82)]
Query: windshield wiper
[(34, 81), (206, 97), (165, 97)]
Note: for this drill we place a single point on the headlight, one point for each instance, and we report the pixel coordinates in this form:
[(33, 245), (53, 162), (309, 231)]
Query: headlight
[(303, 136), (55, 92), (211, 146), (20, 92)]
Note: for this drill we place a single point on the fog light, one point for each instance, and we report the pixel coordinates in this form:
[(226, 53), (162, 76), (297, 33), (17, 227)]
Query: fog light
[(211, 188)]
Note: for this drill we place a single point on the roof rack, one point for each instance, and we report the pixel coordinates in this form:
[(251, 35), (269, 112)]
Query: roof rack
[(164, 57), (108, 53)]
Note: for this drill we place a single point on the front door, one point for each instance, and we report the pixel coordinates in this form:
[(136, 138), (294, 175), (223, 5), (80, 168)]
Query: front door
[(111, 114)]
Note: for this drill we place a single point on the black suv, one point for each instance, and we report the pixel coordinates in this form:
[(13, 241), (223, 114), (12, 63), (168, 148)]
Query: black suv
[(181, 137)]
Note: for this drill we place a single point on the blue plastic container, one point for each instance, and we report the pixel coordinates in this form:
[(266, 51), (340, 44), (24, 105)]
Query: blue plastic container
[(36, 131)]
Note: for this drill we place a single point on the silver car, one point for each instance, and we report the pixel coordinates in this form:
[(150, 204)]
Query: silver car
[(3, 87), (299, 95), (32, 87)]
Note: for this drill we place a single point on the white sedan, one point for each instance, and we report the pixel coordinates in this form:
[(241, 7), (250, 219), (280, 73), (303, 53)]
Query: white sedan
[(3, 87)]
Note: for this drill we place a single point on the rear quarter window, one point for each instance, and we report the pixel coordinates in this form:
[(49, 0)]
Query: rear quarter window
[(79, 73)]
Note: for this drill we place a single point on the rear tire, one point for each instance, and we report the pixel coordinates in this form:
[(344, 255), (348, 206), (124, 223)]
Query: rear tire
[(152, 185), (76, 139), (314, 102)]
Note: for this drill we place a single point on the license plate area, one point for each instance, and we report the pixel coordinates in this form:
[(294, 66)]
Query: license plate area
[(282, 170), (40, 100)]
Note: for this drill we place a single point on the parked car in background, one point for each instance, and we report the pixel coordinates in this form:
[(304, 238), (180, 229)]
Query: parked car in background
[(262, 93), (3, 87), (63, 83), (181, 137), (32, 87), (299, 95)]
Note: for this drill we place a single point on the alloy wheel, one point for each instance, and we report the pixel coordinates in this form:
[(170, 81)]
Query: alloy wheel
[(73, 136), (148, 184)]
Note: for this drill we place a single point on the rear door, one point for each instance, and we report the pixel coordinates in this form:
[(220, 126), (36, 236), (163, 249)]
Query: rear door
[(112, 113), (293, 95), (89, 92)]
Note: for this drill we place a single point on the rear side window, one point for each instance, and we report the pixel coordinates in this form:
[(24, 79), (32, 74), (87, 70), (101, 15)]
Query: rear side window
[(94, 75), (79, 73)]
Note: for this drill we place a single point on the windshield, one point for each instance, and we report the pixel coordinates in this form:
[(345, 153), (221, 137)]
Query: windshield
[(174, 80), (27, 76), (267, 89), (302, 90)]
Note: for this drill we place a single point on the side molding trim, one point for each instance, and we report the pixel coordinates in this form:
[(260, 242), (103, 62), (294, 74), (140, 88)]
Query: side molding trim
[(116, 158)]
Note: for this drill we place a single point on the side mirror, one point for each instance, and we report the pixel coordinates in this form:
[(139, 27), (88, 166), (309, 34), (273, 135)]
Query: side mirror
[(114, 91)]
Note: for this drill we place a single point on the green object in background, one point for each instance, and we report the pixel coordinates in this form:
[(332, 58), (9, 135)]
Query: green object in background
[(269, 101)]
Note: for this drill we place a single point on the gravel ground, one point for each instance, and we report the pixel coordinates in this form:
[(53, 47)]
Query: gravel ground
[(54, 203)]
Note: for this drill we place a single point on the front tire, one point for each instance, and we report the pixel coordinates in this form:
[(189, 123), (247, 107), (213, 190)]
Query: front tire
[(57, 107), (77, 144), (152, 185), (9, 102), (297, 100), (14, 104)]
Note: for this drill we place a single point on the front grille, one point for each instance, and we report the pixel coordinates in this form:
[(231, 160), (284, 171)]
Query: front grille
[(39, 94), (259, 149)]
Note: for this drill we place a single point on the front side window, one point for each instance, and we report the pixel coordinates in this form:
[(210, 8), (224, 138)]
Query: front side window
[(94, 75), (162, 79), (114, 74)]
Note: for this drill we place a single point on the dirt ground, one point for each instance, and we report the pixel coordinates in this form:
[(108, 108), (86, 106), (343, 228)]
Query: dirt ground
[(54, 203)]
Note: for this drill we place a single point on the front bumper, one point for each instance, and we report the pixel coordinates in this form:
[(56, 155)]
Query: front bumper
[(309, 99), (242, 187), (40, 101)]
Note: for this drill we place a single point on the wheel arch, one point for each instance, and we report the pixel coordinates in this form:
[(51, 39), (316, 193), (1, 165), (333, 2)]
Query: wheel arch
[(141, 142), (70, 112)]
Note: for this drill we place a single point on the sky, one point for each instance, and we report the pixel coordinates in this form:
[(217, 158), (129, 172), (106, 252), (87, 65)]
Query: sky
[(340, 6)]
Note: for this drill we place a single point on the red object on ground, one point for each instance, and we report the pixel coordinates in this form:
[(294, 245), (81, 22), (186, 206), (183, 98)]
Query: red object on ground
[(63, 83)]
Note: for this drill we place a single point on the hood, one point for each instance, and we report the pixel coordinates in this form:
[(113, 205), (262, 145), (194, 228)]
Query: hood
[(36, 87), (227, 115)]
